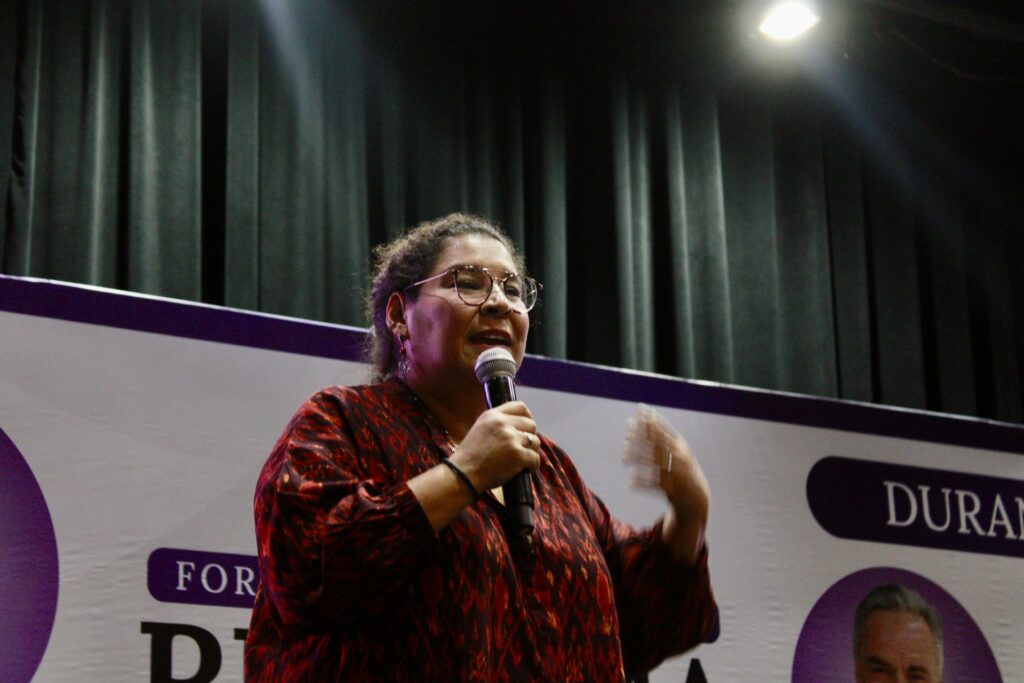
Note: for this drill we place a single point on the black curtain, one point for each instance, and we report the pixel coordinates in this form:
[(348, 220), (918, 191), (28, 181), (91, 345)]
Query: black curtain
[(841, 220)]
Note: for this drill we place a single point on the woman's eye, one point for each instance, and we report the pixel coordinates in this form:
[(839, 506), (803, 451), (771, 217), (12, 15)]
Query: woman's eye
[(469, 283)]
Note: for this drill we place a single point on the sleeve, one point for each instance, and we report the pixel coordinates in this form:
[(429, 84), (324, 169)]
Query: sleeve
[(665, 608), (335, 537)]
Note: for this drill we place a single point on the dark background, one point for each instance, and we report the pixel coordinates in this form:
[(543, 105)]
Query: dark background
[(839, 217)]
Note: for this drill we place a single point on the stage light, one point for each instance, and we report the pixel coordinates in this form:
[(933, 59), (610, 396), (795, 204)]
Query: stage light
[(788, 20)]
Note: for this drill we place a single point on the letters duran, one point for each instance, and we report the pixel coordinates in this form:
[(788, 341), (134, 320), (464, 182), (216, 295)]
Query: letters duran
[(875, 501)]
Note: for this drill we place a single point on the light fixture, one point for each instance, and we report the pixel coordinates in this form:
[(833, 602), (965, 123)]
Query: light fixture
[(788, 20)]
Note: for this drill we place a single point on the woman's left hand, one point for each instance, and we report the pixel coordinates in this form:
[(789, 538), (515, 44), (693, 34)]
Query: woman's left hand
[(662, 459)]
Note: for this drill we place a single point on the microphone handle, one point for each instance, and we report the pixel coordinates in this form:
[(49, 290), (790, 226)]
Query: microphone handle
[(517, 491)]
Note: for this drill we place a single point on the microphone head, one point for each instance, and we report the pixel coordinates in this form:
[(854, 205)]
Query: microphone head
[(495, 362)]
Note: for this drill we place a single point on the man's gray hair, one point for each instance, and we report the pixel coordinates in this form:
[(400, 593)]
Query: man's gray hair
[(896, 597)]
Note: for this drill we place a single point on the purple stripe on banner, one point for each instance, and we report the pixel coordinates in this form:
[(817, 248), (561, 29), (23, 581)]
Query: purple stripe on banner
[(810, 411), (905, 505), (129, 311), (197, 577), (259, 330)]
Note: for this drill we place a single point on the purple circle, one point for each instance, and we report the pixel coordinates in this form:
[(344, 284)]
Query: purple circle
[(824, 651), (28, 568)]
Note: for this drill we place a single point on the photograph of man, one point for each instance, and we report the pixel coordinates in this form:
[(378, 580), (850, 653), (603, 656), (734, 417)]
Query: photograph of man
[(897, 637)]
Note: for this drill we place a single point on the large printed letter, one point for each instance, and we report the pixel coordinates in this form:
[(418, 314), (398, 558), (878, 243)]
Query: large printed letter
[(1000, 518), (926, 509), (969, 514), (890, 489), (160, 652)]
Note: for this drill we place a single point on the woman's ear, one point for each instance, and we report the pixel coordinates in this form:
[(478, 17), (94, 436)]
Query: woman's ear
[(395, 313)]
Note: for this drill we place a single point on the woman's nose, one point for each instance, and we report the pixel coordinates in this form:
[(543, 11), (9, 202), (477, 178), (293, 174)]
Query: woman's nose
[(496, 301)]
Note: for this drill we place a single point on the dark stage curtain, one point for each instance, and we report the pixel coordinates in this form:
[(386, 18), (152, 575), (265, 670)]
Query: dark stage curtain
[(846, 228)]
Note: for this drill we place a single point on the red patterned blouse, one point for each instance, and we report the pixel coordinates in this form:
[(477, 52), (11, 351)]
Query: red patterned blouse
[(356, 586)]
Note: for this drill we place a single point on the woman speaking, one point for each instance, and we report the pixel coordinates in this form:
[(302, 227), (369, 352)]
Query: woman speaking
[(383, 544)]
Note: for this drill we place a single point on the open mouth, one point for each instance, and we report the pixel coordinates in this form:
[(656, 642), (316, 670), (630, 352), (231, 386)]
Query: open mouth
[(491, 339)]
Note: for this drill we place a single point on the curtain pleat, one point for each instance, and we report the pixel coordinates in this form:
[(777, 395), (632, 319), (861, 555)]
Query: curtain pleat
[(553, 228), (898, 350), (948, 313), (633, 230), (9, 29), (513, 146), (844, 173), (164, 237), (818, 236), (25, 238), (807, 352), (437, 125), (292, 164), (100, 151), (748, 195), (701, 242), (242, 220), (392, 143), (482, 151), (346, 221), (622, 147), (1006, 370)]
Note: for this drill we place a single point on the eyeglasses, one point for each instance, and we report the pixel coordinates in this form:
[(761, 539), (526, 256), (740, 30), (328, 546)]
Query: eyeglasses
[(473, 284)]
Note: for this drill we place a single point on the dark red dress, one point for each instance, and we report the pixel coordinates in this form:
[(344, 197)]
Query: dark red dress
[(356, 586)]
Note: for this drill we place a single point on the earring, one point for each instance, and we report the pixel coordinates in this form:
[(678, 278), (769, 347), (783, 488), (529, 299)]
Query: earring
[(403, 359)]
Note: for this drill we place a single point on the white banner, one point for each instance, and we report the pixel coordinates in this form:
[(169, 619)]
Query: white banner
[(132, 430)]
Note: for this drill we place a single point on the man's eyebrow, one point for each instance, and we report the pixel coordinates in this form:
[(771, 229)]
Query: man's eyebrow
[(878, 661)]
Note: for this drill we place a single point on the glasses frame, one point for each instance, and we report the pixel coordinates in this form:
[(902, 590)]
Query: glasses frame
[(454, 270)]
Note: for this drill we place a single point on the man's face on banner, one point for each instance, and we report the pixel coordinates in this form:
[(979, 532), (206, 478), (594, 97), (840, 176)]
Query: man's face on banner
[(898, 647)]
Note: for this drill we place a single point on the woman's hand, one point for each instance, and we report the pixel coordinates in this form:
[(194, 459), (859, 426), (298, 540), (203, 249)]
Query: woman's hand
[(501, 443), (662, 459)]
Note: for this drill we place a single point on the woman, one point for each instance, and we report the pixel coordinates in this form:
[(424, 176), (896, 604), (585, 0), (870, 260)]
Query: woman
[(379, 515)]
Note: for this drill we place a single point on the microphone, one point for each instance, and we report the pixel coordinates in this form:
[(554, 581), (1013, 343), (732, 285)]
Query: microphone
[(496, 370)]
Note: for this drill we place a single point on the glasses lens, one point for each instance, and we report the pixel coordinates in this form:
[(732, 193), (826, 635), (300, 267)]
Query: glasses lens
[(473, 285), (521, 292)]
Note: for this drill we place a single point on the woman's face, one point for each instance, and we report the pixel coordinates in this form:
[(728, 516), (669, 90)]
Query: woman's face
[(446, 335)]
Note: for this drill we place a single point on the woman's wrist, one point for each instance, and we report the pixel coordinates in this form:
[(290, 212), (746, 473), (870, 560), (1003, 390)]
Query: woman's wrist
[(442, 494), (463, 477), (684, 535)]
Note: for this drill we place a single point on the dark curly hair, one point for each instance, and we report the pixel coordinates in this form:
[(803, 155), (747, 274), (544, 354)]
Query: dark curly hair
[(406, 260)]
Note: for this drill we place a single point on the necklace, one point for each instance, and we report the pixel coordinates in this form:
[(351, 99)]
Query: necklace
[(432, 422)]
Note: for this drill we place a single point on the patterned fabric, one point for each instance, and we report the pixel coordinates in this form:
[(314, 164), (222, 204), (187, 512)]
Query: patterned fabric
[(356, 586)]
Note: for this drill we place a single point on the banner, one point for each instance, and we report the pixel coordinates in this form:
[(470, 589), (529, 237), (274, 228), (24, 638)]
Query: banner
[(132, 430)]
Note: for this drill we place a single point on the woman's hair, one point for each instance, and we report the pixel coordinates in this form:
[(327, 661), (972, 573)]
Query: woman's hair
[(408, 259)]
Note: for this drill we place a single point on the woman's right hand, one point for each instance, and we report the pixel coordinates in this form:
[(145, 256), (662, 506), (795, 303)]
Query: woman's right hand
[(501, 443)]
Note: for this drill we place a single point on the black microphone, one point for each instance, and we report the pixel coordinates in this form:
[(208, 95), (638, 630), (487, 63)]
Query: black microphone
[(496, 370)]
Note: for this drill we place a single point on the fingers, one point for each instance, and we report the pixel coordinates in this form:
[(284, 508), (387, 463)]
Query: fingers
[(516, 416), (662, 459), (646, 439), (514, 408), (650, 440), (502, 443), (532, 446), (647, 478), (659, 456), (531, 442)]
